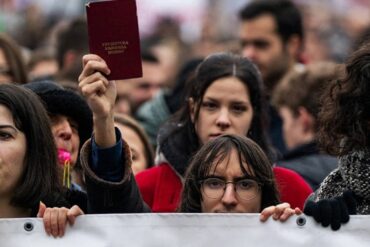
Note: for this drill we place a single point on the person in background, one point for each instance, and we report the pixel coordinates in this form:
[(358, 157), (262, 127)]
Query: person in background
[(71, 122), (153, 113), (42, 65), (271, 35), (297, 98), (141, 151), (344, 131), (12, 64), (72, 43)]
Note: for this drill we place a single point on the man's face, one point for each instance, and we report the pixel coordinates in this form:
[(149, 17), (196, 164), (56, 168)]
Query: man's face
[(262, 44), (145, 88)]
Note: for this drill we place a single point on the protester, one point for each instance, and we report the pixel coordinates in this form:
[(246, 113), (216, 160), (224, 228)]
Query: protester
[(239, 161), (271, 35), (28, 158), (12, 65), (344, 131), (71, 122), (297, 98), (226, 97), (141, 151)]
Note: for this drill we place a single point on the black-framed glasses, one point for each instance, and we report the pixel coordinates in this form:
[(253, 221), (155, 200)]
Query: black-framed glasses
[(245, 188)]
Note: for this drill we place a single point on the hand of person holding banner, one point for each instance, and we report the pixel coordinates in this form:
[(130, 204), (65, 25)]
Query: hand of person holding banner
[(280, 212), (333, 211), (55, 219)]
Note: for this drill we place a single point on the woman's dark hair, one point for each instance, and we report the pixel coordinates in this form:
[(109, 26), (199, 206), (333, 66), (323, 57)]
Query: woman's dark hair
[(14, 59), (344, 120), (214, 67), (212, 154), (134, 125), (40, 176)]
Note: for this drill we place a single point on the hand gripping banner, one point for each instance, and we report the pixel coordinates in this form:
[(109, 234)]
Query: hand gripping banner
[(179, 230)]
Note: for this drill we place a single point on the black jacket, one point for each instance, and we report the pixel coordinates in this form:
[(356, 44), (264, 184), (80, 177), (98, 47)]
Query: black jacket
[(308, 162)]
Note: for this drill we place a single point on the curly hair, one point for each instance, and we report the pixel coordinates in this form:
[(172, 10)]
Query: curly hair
[(344, 117)]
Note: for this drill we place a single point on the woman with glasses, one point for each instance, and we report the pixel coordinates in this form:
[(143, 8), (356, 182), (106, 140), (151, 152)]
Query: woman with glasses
[(232, 174)]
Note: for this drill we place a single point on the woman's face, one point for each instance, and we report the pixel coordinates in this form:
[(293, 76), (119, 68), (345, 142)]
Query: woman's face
[(226, 109), (65, 132), (5, 77), (12, 153), (139, 162), (241, 194)]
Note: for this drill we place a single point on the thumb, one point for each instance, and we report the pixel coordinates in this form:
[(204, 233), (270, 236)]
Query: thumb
[(42, 208), (73, 213)]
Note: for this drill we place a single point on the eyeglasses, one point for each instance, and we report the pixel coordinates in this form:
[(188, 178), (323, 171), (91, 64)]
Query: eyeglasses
[(246, 189)]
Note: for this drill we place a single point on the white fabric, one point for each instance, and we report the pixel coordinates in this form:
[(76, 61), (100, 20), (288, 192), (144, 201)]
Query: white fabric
[(186, 230)]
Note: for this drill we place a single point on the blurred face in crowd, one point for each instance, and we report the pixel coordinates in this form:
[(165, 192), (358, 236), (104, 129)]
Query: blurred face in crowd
[(225, 109), (122, 104), (44, 68), (5, 73), (145, 88), (298, 128), (12, 153), (139, 162), (262, 44), (65, 132), (228, 190)]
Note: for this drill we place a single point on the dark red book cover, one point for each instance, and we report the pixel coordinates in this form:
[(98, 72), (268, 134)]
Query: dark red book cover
[(114, 36)]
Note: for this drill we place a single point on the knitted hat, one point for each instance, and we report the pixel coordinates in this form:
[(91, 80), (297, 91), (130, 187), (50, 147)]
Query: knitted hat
[(58, 100)]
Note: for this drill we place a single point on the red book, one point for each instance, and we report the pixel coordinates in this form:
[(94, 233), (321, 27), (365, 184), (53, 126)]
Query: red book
[(114, 36)]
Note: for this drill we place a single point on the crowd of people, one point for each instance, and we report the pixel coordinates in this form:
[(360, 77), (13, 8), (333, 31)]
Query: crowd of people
[(256, 129)]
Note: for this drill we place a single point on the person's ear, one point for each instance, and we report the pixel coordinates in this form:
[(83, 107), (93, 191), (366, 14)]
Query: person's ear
[(294, 45), (307, 120), (192, 109)]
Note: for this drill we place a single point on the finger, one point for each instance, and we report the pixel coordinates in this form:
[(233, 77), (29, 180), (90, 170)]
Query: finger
[(325, 212), (310, 208), (47, 221), (336, 214), (62, 218), (93, 78), (96, 88), (266, 213), (297, 211), (42, 208), (344, 216), (88, 57), (54, 222), (279, 210), (286, 214), (350, 199), (73, 213), (91, 67)]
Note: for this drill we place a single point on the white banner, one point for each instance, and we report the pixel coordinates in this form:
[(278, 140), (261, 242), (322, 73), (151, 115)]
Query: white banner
[(185, 230)]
